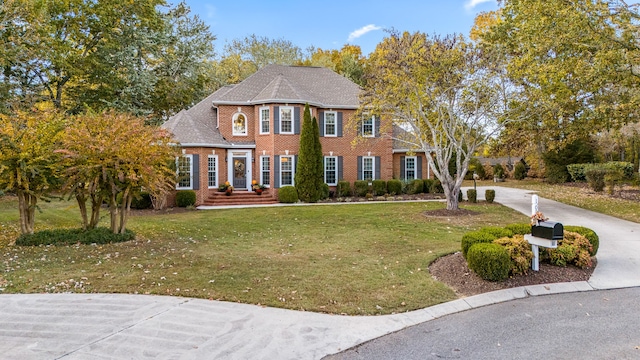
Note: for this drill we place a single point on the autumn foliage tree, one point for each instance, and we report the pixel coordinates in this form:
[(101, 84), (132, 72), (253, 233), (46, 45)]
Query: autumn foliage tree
[(113, 153), (449, 94), (29, 165)]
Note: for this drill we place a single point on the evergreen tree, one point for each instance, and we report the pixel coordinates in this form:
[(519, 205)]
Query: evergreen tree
[(306, 169)]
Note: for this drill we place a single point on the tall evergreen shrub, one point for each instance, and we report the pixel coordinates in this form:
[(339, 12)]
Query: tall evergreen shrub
[(308, 180)]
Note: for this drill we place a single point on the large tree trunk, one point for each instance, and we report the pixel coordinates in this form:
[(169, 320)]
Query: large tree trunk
[(451, 193), (27, 209), (82, 205), (113, 212), (96, 203)]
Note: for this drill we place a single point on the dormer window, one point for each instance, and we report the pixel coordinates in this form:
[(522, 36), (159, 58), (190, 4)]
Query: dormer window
[(239, 125)]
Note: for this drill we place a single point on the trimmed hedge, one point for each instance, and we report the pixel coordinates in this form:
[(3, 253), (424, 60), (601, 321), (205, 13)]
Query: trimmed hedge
[(428, 183), (490, 261), (415, 186), (344, 189), (361, 187), (472, 195), (394, 186), (595, 178), (490, 195), (436, 187), (379, 187), (578, 172), (519, 228), (288, 195), (589, 234), (185, 198), (100, 235), (475, 237), (497, 231)]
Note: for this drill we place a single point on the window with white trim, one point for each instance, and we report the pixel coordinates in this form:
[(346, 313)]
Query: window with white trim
[(368, 167), (184, 165), (212, 171), (368, 127), (330, 123), (239, 125), (286, 120), (265, 170), (286, 170), (265, 124), (331, 170), (410, 163)]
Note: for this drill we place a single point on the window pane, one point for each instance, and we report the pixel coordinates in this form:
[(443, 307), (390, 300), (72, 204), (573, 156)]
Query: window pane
[(367, 168), (286, 120), (330, 173), (212, 172), (266, 170), (410, 168), (367, 127), (184, 172), (264, 118), (329, 123), (286, 170)]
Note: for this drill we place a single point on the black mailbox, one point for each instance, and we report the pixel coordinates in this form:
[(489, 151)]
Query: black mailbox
[(548, 230)]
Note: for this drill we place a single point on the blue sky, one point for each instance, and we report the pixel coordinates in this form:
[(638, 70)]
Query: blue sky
[(333, 23)]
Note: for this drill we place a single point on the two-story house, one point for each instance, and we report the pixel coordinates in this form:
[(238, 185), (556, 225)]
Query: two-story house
[(250, 131)]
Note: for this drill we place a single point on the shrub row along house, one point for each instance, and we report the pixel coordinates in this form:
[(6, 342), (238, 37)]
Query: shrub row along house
[(251, 131)]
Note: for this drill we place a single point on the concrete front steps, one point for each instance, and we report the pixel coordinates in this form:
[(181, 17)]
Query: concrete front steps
[(240, 197)]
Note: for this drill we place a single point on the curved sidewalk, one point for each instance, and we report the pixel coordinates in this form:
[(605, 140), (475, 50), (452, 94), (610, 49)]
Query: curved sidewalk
[(116, 326)]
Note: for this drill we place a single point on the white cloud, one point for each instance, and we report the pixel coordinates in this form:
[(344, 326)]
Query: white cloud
[(363, 30), (473, 3)]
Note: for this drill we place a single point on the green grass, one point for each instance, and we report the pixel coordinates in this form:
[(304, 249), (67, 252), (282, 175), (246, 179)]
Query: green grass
[(341, 259), (576, 196)]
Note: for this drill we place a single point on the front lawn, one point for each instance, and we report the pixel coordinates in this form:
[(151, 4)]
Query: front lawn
[(342, 259)]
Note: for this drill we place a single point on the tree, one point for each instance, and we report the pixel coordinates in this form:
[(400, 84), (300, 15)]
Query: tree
[(134, 56), (29, 165), (307, 180), (347, 61), (262, 51), (575, 62), (450, 95), (113, 153)]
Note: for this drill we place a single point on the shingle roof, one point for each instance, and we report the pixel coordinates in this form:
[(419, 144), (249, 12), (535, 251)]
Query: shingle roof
[(196, 126), (292, 84)]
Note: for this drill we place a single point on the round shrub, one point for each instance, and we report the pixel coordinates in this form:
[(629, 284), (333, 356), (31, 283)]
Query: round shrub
[(288, 195), (361, 188), (472, 195), (344, 189), (428, 183), (490, 195), (379, 187), (591, 235), (520, 171), (325, 192), (141, 201), (497, 231), (474, 237), (519, 228), (415, 187), (595, 178), (185, 198), (436, 187), (498, 171), (519, 252), (394, 186), (490, 261)]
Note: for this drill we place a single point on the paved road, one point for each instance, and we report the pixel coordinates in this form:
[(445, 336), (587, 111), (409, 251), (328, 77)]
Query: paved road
[(118, 326), (590, 325)]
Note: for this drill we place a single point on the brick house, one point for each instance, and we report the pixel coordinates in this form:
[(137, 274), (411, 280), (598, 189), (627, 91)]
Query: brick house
[(250, 131)]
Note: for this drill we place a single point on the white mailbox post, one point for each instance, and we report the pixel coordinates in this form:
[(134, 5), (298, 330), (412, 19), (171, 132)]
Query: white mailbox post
[(538, 241)]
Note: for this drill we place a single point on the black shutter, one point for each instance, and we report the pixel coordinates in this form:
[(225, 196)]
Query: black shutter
[(276, 171), (419, 167), (340, 172), (296, 120), (359, 167), (377, 162), (402, 167), (276, 119), (376, 126), (321, 122), (339, 124), (196, 171)]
